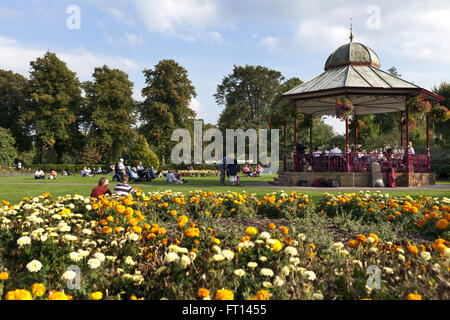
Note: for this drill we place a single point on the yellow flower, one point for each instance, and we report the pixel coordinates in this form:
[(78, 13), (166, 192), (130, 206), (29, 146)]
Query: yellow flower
[(203, 293), (375, 237), (38, 289), (58, 295), (98, 295), (276, 245), (182, 220), (251, 231), (413, 296), (4, 276), (224, 294), (192, 232), (19, 294)]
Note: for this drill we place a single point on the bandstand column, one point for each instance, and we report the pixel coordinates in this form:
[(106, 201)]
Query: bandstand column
[(347, 149), (310, 134), (294, 155), (408, 156), (356, 133), (401, 128), (284, 148), (428, 143)]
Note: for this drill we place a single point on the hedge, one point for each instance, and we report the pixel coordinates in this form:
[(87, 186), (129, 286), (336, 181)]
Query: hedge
[(72, 167)]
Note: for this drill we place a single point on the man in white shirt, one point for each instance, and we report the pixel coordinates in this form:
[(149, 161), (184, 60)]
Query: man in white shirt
[(335, 150), (316, 153), (411, 149), (39, 174)]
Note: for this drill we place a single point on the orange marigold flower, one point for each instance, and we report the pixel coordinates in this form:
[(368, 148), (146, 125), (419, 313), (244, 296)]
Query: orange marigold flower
[(352, 244), (262, 295), (272, 226), (413, 249), (442, 224), (107, 229), (284, 230), (224, 294), (361, 238), (203, 293), (4, 276)]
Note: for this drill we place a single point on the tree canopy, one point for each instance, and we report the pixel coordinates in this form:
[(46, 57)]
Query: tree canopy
[(166, 107)]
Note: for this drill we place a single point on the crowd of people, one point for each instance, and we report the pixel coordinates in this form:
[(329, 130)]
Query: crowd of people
[(358, 156)]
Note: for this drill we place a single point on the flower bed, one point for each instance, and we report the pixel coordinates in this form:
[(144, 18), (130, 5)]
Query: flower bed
[(164, 245), (426, 216)]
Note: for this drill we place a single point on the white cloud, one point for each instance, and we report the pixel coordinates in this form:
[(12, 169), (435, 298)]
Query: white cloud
[(7, 13), (16, 57), (270, 43), (131, 39), (188, 19)]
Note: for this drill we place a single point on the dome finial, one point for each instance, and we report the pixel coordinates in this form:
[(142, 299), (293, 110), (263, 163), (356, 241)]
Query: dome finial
[(351, 30)]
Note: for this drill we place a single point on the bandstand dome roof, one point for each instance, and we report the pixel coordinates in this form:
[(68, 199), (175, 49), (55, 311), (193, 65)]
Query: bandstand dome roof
[(353, 71), (352, 53)]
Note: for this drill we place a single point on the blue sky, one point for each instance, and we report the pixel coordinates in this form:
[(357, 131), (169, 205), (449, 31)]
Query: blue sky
[(208, 37)]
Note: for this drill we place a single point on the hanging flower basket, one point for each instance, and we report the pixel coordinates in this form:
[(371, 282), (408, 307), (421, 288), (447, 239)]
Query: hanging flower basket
[(276, 121), (440, 113), (418, 105), (344, 107)]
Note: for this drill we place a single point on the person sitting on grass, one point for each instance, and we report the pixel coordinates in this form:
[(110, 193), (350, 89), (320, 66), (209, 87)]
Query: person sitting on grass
[(171, 178), (123, 189), (84, 172), (101, 189), (39, 174), (246, 169), (52, 175), (259, 169)]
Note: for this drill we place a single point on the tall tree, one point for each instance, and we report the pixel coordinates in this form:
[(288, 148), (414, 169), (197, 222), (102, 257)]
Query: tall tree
[(13, 101), (247, 95), (55, 100), (9, 153), (109, 112), (443, 129), (168, 95)]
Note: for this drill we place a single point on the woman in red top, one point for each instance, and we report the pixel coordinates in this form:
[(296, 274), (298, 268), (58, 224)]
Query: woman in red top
[(101, 189)]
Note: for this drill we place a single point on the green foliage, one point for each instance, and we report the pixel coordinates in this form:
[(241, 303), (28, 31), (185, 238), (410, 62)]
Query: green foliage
[(55, 102), (140, 151), (167, 96), (13, 101), (8, 152), (443, 129), (247, 95), (109, 112)]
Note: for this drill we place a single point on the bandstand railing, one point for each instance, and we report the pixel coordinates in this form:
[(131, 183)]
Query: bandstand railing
[(360, 162)]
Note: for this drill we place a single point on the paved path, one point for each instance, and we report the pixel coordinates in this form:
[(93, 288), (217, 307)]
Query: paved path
[(258, 185)]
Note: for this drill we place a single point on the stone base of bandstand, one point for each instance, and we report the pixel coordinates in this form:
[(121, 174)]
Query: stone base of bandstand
[(354, 179)]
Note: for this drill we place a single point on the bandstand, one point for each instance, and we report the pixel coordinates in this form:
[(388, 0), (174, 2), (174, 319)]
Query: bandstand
[(352, 72)]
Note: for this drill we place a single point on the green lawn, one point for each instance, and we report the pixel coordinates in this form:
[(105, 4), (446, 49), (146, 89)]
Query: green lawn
[(13, 189)]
